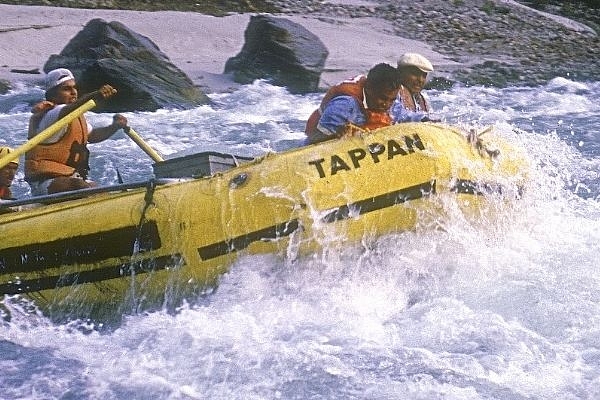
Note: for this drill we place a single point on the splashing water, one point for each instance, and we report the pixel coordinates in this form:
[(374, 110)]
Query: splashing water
[(500, 308)]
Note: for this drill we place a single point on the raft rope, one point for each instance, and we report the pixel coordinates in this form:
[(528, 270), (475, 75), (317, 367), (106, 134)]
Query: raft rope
[(474, 139), (148, 201)]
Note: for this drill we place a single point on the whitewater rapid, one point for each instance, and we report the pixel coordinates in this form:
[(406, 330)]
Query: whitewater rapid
[(506, 307)]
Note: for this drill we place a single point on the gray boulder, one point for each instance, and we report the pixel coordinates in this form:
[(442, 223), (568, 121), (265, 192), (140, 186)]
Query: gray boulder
[(4, 86), (111, 53), (281, 51)]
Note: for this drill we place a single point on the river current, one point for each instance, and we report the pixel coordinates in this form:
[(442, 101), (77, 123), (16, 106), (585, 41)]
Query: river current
[(509, 310)]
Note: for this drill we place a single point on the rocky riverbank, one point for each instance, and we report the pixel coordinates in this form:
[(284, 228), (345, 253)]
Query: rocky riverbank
[(494, 42), (502, 42)]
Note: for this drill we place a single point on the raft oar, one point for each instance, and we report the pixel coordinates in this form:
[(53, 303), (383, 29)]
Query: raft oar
[(47, 133), (143, 145)]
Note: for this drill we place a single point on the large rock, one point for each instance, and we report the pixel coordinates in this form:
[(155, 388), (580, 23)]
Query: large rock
[(144, 77), (4, 86), (281, 51)]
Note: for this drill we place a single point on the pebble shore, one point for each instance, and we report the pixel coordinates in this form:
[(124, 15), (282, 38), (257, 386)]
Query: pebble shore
[(503, 43), (493, 42)]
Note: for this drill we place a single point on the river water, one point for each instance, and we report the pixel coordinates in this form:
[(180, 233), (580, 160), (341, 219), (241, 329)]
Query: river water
[(506, 310)]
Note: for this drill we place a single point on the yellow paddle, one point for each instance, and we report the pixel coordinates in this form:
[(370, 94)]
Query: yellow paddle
[(143, 145), (47, 133), (64, 121)]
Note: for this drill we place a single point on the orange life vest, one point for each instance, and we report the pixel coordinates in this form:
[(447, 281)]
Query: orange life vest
[(355, 88), (413, 102), (68, 155), (5, 193)]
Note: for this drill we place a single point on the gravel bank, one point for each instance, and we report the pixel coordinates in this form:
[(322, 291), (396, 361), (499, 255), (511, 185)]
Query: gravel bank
[(494, 42), (503, 42)]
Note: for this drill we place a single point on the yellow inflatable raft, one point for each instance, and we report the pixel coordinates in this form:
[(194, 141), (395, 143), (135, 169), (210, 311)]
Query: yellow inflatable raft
[(134, 245)]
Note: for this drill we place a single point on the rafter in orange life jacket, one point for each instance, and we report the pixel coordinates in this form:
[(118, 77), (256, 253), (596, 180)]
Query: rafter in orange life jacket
[(62, 158), (354, 88), (416, 102)]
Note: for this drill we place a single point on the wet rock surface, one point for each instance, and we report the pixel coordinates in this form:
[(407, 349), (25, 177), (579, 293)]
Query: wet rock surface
[(110, 53), (279, 50)]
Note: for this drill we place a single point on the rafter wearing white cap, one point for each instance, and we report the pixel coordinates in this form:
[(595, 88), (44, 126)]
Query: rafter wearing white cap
[(412, 105)]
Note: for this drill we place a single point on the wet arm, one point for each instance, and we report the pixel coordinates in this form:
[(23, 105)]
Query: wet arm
[(103, 93), (100, 134), (339, 112), (402, 114)]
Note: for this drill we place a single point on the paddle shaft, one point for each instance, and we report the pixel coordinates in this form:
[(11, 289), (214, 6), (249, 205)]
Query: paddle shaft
[(143, 145), (47, 133), (64, 121)]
